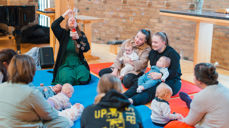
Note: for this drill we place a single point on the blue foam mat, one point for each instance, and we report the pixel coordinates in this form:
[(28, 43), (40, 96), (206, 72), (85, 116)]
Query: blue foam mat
[(85, 95)]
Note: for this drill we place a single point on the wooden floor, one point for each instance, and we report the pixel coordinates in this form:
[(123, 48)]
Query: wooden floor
[(102, 51)]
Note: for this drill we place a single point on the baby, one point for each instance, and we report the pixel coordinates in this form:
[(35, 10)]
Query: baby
[(49, 91), (131, 54), (73, 113), (161, 115), (61, 100), (145, 81)]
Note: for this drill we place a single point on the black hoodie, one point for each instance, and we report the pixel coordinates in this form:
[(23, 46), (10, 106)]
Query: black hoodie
[(113, 111)]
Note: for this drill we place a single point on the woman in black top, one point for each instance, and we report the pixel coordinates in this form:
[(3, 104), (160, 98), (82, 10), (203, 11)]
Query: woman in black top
[(111, 108), (71, 66), (160, 47)]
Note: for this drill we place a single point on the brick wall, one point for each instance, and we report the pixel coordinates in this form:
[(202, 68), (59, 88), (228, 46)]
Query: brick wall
[(23, 2), (3, 2), (123, 18)]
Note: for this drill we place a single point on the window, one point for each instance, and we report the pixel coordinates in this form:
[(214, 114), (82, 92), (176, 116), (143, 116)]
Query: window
[(44, 20)]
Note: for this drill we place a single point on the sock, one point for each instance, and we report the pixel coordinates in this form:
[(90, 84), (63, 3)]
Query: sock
[(186, 98)]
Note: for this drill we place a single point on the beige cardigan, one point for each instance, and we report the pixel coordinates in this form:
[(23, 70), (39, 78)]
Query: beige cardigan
[(139, 65), (23, 106)]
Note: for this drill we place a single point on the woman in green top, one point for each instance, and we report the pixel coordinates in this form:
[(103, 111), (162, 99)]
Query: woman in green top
[(71, 66)]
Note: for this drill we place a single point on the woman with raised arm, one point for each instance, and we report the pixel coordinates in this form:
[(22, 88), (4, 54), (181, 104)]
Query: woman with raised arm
[(71, 66)]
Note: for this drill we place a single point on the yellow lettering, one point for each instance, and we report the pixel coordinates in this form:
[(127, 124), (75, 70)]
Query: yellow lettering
[(103, 112), (97, 114), (131, 119)]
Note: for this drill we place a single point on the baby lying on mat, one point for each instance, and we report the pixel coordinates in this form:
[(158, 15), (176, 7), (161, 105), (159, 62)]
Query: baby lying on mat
[(73, 113), (61, 101), (49, 91)]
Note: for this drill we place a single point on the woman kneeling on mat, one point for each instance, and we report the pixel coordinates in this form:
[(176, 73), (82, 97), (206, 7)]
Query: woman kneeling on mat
[(209, 108), (71, 66)]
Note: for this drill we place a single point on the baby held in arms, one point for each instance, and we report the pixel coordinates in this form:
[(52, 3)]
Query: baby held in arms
[(128, 54), (146, 81)]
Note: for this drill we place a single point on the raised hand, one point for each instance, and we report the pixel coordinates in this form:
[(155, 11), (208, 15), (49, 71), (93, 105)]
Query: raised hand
[(69, 12)]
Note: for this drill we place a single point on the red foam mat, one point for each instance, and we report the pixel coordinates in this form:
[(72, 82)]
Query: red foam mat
[(187, 87), (179, 106), (176, 104), (95, 68)]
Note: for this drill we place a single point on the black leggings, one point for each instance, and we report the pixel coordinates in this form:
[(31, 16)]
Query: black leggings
[(105, 71), (127, 80), (148, 94)]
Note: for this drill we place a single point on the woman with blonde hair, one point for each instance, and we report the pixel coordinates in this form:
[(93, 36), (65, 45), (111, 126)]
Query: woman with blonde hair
[(21, 105), (111, 108), (160, 47), (71, 66)]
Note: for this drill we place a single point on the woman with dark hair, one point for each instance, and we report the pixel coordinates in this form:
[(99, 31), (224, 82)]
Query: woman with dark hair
[(5, 57), (141, 45), (209, 108), (160, 47), (23, 106), (71, 66)]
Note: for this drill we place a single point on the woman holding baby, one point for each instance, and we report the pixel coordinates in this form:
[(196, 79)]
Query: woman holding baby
[(160, 47), (140, 44)]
